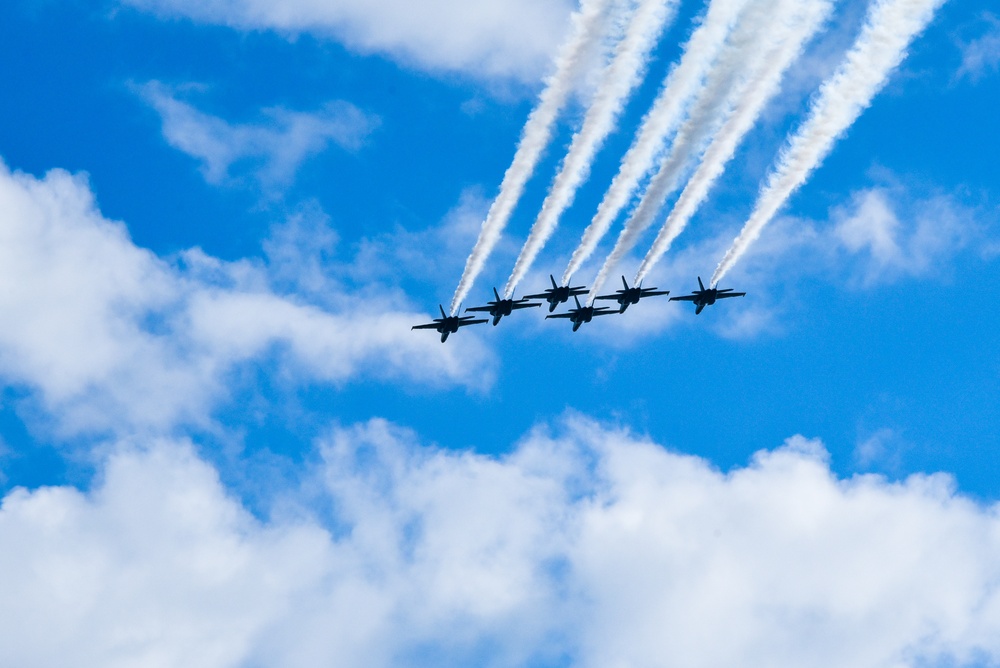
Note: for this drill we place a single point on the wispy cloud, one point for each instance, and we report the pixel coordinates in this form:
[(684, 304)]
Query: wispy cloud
[(981, 56), (271, 149), (582, 545), (514, 38), (890, 247)]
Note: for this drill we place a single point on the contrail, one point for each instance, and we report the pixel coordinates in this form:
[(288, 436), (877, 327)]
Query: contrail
[(807, 17), (620, 77), (537, 132), (727, 83), (679, 88), (889, 29)]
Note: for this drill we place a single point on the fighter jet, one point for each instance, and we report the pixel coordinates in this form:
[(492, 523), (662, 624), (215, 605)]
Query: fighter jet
[(630, 296), (706, 297), (502, 307), (558, 294), (448, 324), (582, 314)]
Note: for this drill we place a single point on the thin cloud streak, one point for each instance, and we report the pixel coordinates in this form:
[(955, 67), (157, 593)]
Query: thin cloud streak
[(806, 18), (620, 78), (727, 83), (587, 27), (681, 85), (889, 29)]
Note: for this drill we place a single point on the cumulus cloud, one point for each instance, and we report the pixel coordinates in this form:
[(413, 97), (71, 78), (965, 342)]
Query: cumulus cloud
[(272, 149), (586, 546), (981, 56), (481, 37), (111, 336)]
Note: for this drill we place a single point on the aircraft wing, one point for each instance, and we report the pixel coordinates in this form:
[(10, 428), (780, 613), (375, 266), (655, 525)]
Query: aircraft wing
[(544, 295), (479, 308), (517, 306), (722, 295), (432, 325), (685, 298), (463, 323), (604, 311), (655, 293), (578, 291), (560, 315)]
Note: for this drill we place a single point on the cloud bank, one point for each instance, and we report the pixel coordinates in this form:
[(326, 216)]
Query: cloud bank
[(587, 546), (110, 336)]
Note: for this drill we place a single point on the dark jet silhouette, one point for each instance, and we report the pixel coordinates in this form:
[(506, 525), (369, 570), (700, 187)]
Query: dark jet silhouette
[(502, 307), (558, 294), (706, 297), (448, 324), (582, 314), (630, 296)]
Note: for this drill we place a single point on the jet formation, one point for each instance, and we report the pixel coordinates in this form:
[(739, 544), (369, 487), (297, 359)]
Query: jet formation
[(580, 315)]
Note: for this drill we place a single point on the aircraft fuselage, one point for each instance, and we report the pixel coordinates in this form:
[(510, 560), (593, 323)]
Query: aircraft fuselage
[(556, 297), (500, 309), (447, 326), (627, 298), (585, 314)]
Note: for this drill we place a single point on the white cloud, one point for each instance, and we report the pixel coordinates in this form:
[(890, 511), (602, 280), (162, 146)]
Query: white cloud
[(883, 449), (436, 254), (931, 233), (879, 235), (112, 336), (481, 37), (156, 567), (981, 56), (590, 547), (272, 149)]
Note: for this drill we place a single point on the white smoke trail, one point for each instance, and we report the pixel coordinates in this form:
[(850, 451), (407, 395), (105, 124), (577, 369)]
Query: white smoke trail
[(806, 19), (679, 88), (727, 82), (889, 29), (587, 26), (620, 78)]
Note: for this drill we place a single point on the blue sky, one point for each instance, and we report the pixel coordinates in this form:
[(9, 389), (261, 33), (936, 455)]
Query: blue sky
[(223, 446)]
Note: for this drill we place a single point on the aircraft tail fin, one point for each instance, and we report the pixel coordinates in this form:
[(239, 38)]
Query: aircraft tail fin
[(700, 284), (577, 299), (440, 306), (496, 294), (553, 279), (624, 282)]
